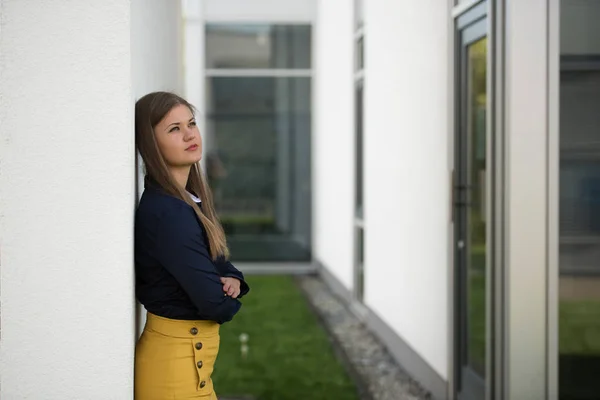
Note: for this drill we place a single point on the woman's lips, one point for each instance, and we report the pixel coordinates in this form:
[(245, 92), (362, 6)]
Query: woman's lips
[(192, 147)]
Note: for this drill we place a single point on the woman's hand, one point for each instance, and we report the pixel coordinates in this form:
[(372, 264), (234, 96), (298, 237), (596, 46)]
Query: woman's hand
[(231, 286)]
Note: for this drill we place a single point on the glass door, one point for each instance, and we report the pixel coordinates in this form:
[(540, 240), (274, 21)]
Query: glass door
[(471, 210)]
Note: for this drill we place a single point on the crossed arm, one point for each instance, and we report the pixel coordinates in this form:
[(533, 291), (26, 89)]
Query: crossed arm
[(213, 287)]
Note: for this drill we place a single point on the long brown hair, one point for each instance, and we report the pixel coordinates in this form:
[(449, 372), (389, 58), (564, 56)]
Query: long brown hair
[(149, 111)]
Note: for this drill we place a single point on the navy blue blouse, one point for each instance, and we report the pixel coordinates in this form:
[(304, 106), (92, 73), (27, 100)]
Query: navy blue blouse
[(175, 274)]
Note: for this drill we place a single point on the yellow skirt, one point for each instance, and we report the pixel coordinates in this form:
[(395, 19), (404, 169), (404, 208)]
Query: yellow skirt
[(174, 359)]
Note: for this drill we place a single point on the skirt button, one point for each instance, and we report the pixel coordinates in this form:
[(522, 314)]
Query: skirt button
[(198, 346), (199, 364), (194, 331), (202, 384)]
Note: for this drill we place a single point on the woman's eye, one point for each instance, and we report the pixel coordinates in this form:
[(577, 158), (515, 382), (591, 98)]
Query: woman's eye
[(193, 123), (174, 129)]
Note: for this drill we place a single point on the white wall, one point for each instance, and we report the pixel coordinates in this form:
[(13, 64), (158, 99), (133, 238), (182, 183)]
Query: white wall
[(156, 46), (66, 200), (334, 138), (156, 60), (407, 172), (258, 10)]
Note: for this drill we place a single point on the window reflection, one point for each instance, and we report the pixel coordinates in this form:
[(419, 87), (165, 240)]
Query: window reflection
[(258, 46), (359, 150), (358, 112), (476, 167), (258, 164), (579, 222)]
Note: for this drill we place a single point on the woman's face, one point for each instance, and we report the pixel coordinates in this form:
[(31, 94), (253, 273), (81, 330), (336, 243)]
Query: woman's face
[(178, 137)]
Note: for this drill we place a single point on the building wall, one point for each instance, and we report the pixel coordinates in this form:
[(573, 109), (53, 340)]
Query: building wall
[(257, 10), (156, 63), (66, 200), (156, 46), (333, 139), (407, 204), (406, 158)]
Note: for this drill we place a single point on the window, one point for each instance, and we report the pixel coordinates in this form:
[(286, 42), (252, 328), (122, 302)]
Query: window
[(258, 46), (359, 78), (258, 119), (579, 201)]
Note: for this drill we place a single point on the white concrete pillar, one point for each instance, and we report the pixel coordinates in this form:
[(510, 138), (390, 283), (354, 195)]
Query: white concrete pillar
[(156, 64), (407, 171), (333, 138), (67, 171)]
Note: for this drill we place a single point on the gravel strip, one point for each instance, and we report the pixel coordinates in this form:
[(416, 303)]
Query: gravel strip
[(377, 375)]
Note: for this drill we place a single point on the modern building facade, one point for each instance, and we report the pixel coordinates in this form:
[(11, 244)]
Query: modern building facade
[(437, 162), (470, 245)]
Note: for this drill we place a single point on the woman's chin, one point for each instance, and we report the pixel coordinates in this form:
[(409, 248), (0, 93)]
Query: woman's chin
[(192, 160)]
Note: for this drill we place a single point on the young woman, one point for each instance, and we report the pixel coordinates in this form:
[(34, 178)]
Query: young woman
[(183, 277)]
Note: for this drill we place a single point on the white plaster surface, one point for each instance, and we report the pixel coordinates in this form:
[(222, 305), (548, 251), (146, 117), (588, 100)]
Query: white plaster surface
[(66, 200)]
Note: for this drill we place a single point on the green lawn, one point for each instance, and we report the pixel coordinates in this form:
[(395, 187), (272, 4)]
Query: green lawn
[(579, 324), (248, 224), (290, 356), (477, 320)]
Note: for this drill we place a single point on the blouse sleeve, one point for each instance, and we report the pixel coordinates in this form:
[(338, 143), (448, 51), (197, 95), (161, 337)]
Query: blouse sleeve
[(182, 251), (227, 269)]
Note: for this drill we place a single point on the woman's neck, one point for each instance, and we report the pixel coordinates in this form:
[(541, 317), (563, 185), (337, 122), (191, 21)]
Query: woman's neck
[(181, 175)]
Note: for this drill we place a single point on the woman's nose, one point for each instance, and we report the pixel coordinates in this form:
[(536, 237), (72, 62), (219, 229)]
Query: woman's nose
[(188, 134)]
